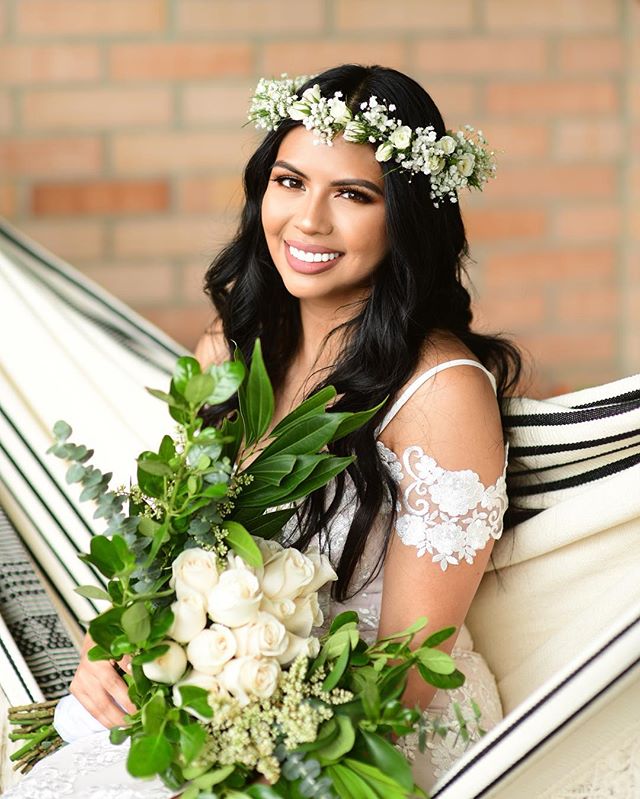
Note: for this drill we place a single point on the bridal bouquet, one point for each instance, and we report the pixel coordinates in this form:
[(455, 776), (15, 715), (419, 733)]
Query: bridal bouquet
[(236, 696)]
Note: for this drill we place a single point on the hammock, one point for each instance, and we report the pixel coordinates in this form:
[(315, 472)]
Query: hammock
[(557, 614)]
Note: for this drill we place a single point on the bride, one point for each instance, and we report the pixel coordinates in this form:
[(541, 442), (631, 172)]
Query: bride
[(348, 264)]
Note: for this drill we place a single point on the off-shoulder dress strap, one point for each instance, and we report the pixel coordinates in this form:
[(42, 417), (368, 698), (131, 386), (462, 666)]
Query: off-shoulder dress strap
[(422, 378)]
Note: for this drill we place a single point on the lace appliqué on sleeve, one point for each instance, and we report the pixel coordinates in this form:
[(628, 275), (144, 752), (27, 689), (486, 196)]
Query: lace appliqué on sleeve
[(449, 514)]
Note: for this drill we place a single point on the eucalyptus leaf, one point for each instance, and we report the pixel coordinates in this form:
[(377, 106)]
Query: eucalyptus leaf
[(62, 430)]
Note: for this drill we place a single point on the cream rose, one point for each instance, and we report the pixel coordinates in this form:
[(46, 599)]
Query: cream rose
[(287, 574), (189, 618), (466, 164), (339, 111), (200, 680), (436, 164), (235, 600), (194, 570), (211, 649), (384, 151), (322, 572), (401, 137), (310, 647), (306, 616), (248, 677), (265, 636), (282, 609), (167, 668), (447, 144)]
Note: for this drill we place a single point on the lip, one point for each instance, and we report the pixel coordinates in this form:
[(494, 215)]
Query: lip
[(305, 267)]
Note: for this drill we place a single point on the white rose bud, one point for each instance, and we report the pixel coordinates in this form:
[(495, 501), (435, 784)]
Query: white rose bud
[(354, 131), (401, 137), (466, 163), (310, 647), (384, 151), (436, 164), (323, 572), (312, 95), (307, 615), (189, 618), (280, 608), (249, 677), (194, 570), (339, 111), (167, 668), (211, 649), (235, 600), (299, 110), (200, 680), (287, 574), (447, 144), (266, 636)]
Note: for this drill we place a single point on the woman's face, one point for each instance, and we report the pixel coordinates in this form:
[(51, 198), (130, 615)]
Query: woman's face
[(323, 215)]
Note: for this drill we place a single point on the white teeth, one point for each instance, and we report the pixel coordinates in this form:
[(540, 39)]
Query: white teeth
[(312, 257)]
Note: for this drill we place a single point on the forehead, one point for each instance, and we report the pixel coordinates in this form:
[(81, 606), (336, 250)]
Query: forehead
[(343, 160)]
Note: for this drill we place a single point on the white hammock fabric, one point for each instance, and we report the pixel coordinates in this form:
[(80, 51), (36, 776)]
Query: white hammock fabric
[(558, 612)]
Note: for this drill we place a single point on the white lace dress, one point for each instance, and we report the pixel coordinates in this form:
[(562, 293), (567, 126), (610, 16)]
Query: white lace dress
[(445, 515)]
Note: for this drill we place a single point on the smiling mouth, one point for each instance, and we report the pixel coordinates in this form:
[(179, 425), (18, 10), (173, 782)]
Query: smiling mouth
[(309, 263), (312, 257)]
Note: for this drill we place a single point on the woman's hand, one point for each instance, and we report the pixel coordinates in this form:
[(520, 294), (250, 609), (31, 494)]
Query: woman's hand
[(98, 686)]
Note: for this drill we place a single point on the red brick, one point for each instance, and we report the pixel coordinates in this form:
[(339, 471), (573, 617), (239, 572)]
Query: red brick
[(3, 19), (61, 18), (134, 282), (176, 236), (587, 223), (405, 15), (192, 275), (315, 55), (215, 194), (486, 224), (509, 311), (6, 112), (481, 55), (556, 180), (531, 268), (144, 153), (275, 17), (576, 347), (576, 140), (215, 105), (179, 60), (100, 197), (591, 54), (25, 64), (8, 200), (104, 108), (552, 15), (65, 157), (515, 141), (184, 324), (73, 239), (538, 98), (456, 100), (587, 304)]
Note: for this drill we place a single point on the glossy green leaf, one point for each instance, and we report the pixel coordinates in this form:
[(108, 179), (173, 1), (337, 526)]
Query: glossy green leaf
[(242, 544), (198, 388), (257, 400), (149, 755), (227, 378), (269, 524), (272, 470), (438, 637), (313, 405), (338, 746), (388, 759), (356, 420), (307, 436), (162, 395), (338, 668), (186, 367), (349, 784), (192, 738), (92, 592), (346, 617), (153, 714), (446, 681), (436, 660), (136, 623)]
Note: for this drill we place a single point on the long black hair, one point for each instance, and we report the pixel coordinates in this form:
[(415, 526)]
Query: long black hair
[(417, 289)]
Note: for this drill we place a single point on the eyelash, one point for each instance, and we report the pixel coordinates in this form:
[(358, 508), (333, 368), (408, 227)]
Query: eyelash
[(360, 196)]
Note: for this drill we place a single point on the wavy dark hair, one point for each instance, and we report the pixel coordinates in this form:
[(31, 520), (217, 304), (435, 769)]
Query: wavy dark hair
[(417, 289)]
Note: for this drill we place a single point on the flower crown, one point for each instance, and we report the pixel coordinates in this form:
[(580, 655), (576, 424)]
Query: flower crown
[(452, 162)]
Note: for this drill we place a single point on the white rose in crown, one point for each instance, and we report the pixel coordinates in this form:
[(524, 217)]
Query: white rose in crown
[(194, 570), (167, 668), (309, 647), (235, 599), (306, 616), (287, 574), (354, 131), (466, 164), (189, 618), (211, 649), (265, 636), (384, 151), (401, 137), (436, 164), (447, 144), (323, 572), (339, 111), (200, 680), (248, 677)]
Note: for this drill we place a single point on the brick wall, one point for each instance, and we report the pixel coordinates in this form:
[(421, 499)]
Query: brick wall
[(121, 146)]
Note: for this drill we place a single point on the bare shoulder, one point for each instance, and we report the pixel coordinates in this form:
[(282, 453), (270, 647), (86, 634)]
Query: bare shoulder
[(454, 414), (212, 346)]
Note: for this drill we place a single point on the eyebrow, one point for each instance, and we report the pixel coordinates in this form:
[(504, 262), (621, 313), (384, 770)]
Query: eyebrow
[(351, 182)]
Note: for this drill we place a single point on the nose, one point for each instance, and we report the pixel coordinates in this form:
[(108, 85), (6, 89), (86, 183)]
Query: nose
[(314, 216)]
